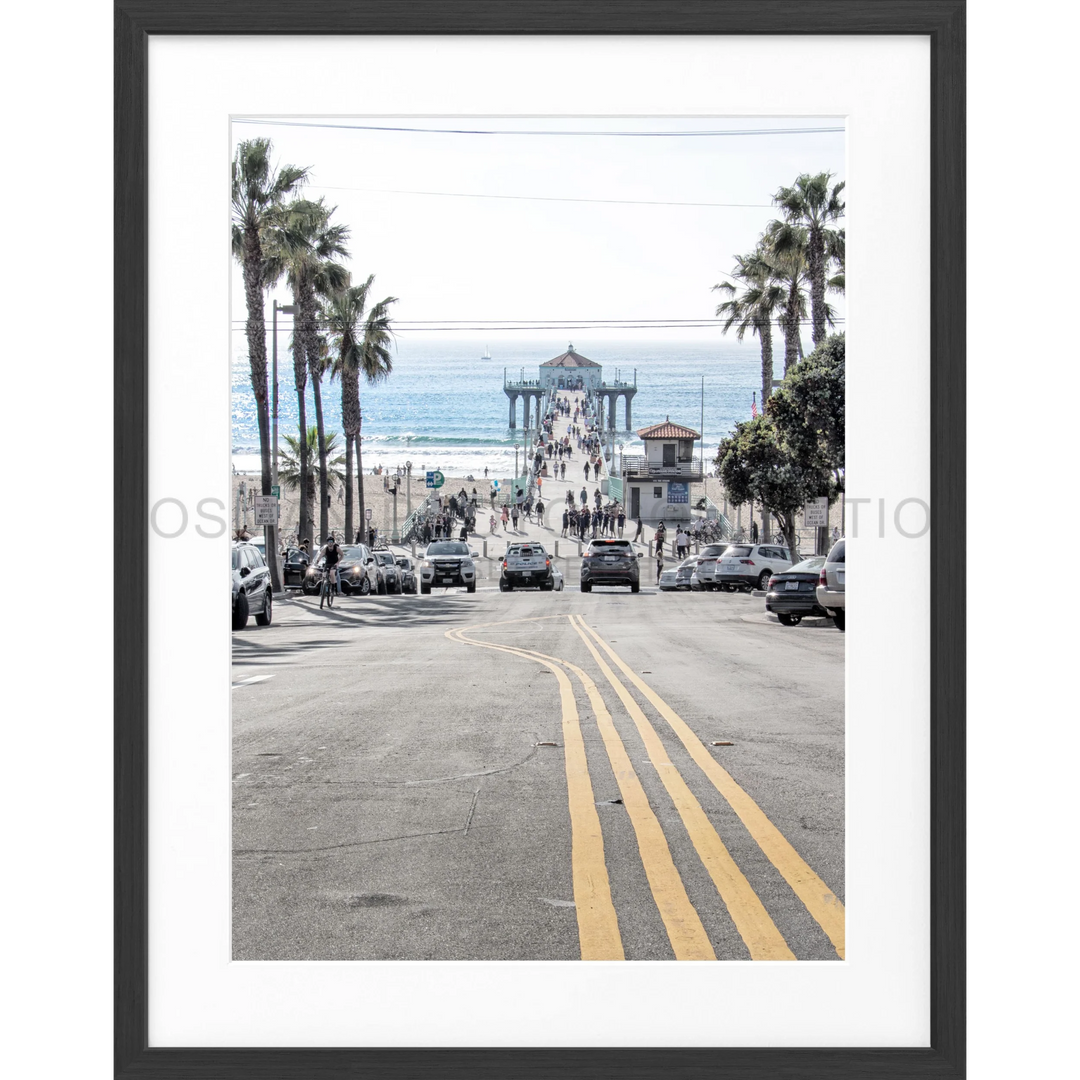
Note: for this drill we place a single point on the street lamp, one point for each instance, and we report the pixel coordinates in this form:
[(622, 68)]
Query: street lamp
[(395, 536), (408, 489), (275, 489)]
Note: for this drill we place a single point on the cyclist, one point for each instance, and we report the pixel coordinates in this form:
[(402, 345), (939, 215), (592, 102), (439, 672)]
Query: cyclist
[(331, 552)]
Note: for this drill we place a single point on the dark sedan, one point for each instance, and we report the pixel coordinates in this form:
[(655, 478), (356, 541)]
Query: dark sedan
[(792, 594)]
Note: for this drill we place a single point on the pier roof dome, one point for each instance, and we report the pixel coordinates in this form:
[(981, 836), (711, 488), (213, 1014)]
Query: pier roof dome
[(570, 359)]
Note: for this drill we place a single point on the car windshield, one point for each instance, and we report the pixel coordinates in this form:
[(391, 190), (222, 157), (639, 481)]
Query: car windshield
[(612, 545), (384, 558), (808, 566), (352, 553), (448, 547), (735, 551), (404, 563), (837, 553), (295, 554), (713, 550), (236, 562)]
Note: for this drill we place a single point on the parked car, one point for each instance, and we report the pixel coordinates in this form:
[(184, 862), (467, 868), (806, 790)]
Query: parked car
[(684, 572), (294, 568), (449, 564), (356, 571), (610, 562), (408, 574), (792, 594), (706, 565), (830, 588), (557, 577), (526, 566), (251, 590), (667, 582), (746, 566), (387, 573)]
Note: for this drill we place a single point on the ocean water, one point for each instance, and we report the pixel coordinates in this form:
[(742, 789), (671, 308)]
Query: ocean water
[(443, 406)]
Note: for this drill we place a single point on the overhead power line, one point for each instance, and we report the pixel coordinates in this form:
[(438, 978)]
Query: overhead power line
[(822, 130), (538, 198)]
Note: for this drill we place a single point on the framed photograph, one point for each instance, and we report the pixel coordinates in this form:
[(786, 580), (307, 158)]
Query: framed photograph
[(499, 350)]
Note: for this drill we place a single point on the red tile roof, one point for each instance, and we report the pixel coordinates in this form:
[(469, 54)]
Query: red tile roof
[(668, 430)]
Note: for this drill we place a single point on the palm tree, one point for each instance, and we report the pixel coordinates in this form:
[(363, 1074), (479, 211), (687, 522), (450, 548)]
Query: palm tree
[(258, 190), (785, 252), (296, 468), (753, 309), (810, 204), (307, 244), (360, 349)]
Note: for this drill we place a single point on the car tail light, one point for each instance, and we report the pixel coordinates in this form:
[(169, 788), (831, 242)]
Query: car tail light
[(504, 564), (747, 562), (823, 578), (772, 581), (548, 563)]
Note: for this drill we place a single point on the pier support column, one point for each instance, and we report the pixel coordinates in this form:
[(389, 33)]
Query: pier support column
[(628, 398), (513, 410), (613, 403)]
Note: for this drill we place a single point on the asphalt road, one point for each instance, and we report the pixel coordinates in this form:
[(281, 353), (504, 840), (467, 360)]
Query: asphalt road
[(536, 776)]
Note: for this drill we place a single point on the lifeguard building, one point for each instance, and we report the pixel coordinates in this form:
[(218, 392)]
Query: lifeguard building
[(656, 484)]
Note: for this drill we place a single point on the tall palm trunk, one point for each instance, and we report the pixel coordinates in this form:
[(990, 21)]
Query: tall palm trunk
[(350, 420), (324, 489), (300, 379), (361, 509), (256, 335), (816, 264), (791, 326), (764, 330)]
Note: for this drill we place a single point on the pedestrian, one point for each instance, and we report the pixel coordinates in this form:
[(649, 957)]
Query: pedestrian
[(464, 533), (505, 517), (640, 529), (565, 521), (492, 525), (621, 520), (562, 470), (753, 532), (485, 472), (371, 537), (584, 497), (514, 516), (659, 564), (586, 470), (539, 511)]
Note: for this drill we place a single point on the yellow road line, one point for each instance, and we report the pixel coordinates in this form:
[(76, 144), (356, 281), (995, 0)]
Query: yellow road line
[(598, 925), (820, 901), (755, 926), (688, 938)]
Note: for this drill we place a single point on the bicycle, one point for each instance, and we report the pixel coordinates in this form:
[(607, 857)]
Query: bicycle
[(328, 586)]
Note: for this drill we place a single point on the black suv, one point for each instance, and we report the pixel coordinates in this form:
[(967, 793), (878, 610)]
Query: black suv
[(250, 587), (610, 562)]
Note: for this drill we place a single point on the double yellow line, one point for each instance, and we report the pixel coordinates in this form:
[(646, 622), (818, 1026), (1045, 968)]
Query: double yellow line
[(597, 921)]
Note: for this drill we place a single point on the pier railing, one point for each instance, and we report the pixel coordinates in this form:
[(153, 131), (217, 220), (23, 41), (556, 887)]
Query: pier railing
[(638, 467)]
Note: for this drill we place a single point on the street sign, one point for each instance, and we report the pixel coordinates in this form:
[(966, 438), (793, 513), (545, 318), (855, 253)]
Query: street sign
[(367, 512), (435, 479), (816, 513), (276, 491), (266, 510)]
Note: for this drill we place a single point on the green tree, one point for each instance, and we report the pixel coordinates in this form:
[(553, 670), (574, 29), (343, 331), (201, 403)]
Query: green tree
[(297, 468), (755, 465), (754, 308), (258, 191), (814, 207), (361, 345), (307, 244)]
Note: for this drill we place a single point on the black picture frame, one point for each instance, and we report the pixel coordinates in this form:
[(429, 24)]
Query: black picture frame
[(943, 21)]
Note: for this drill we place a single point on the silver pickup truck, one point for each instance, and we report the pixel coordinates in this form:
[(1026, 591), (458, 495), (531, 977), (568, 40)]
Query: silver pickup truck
[(526, 566)]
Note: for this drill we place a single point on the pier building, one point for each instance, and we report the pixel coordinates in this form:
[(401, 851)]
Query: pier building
[(657, 483)]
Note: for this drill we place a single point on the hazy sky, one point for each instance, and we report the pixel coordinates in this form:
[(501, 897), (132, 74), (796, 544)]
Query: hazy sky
[(452, 256)]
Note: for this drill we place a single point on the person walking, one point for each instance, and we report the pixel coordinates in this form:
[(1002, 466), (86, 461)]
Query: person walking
[(621, 519), (505, 517), (514, 514), (565, 521), (584, 497), (539, 511), (586, 470), (562, 470), (640, 529)]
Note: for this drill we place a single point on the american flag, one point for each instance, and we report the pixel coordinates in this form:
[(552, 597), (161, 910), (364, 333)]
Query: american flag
[(753, 407)]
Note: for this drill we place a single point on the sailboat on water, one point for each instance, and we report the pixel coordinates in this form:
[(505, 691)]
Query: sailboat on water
[(487, 353)]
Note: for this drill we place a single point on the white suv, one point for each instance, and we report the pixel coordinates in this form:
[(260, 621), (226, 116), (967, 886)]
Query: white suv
[(745, 566), (830, 590)]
